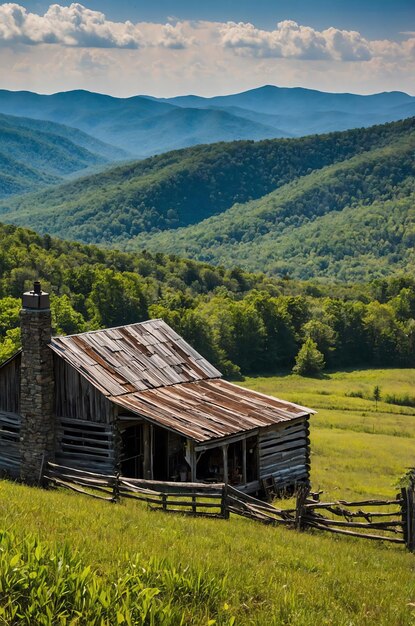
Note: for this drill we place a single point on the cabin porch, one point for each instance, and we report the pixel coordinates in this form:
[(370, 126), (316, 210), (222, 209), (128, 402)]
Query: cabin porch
[(244, 460)]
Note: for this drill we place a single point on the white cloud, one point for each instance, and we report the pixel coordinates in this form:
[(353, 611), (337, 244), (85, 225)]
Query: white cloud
[(74, 25), (122, 58), (77, 26), (292, 40), (173, 37)]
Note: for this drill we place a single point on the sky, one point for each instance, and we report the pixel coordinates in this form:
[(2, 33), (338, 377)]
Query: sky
[(172, 47)]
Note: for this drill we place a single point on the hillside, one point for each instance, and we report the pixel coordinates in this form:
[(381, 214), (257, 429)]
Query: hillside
[(241, 322), (353, 220), (236, 571), (144, 126), (17, 178), (79, 138), (185, 187), (31, 156)]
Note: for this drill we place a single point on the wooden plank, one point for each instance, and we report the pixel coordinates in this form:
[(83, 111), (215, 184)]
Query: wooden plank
[(354, 534)]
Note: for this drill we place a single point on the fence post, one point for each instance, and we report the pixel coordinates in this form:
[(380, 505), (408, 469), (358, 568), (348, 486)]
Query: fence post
[(302, 494), (116, 488), (408, 512), (224, 503)]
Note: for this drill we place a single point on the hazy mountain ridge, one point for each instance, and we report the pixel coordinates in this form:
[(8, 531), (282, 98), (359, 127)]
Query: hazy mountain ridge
[(33, 157), (144, 125)]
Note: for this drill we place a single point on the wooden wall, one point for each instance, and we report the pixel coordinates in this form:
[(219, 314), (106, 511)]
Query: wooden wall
[(10, 418), (284, 453), (10, 385), (76, 398), (85, 445), (10, 444)]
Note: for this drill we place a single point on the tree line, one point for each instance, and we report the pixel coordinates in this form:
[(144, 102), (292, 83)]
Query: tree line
[(244, 323)]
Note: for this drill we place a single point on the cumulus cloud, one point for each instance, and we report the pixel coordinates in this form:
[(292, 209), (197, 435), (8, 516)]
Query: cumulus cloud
[(78, 26), (172, 37), (292, 40), (74, 25)]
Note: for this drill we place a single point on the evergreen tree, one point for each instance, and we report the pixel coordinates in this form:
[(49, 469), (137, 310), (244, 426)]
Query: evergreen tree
[(309, 360)]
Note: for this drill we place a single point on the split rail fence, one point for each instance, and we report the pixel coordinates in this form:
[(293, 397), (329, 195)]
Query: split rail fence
[(390, 520)]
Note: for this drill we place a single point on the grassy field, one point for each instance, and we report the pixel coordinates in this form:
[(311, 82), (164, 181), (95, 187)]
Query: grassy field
[(239, 571), (358, 449)]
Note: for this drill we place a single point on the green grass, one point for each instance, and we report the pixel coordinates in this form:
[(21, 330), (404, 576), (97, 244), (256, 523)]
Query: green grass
[(262, 575), (356, 449)]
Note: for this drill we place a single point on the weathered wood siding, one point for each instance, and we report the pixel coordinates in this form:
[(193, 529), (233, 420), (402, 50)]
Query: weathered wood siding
[(9, 417), (76, 398), (284, 453), (10, 443), (10, 385), (85, 445)]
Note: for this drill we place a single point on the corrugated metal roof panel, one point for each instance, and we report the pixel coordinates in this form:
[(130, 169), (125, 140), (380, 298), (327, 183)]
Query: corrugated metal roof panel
[(210, 409)]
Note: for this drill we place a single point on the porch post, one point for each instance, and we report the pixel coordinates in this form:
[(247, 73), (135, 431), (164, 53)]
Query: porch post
[(225, 462), (192, 463), (147, 452), (244, 479)]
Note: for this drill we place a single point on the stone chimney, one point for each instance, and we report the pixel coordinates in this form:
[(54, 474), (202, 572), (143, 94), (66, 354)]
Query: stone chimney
[(37, 440)]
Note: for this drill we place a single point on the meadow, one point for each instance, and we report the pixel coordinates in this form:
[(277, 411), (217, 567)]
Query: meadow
[(236, 571)]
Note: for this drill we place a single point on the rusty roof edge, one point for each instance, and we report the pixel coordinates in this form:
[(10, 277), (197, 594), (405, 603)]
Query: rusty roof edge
[(307, 410), (115, 400)]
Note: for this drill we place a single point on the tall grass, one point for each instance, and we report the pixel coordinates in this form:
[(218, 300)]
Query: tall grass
[(45, 585)]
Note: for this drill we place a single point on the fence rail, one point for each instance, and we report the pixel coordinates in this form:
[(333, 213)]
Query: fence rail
[(394, 523)]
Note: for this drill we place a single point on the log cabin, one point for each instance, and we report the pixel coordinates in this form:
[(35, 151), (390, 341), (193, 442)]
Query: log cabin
[(139, 400)]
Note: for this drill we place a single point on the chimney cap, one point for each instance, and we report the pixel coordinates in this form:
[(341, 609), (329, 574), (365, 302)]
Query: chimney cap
[(36, 299)]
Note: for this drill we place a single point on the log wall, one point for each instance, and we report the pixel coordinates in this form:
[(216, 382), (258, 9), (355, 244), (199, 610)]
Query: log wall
[(85, 445), (283, 454)]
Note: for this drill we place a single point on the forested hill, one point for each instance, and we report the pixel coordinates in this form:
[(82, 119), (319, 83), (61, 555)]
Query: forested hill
[(187, 186), (353, 220), (31, 156), (239, 321)]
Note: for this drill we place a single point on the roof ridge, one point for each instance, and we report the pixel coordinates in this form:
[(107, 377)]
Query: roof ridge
[(100, 330)]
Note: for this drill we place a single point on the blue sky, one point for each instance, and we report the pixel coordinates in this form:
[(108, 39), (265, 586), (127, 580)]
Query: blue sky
[(170, 47), (374, 18)]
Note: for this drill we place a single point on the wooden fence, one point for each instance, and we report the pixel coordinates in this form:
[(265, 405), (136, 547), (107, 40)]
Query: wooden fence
[(390, 520), (171, 497)]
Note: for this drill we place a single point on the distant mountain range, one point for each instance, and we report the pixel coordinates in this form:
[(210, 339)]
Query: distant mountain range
[(143, 126), (35, 153), (338, 205)]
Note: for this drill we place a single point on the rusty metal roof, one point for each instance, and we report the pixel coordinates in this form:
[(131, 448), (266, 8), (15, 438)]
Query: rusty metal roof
[(133, 358), (210, 409), (150, 370)]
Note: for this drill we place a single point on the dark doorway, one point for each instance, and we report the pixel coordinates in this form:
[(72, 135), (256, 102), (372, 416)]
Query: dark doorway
[(132, 451), (160, 454)]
